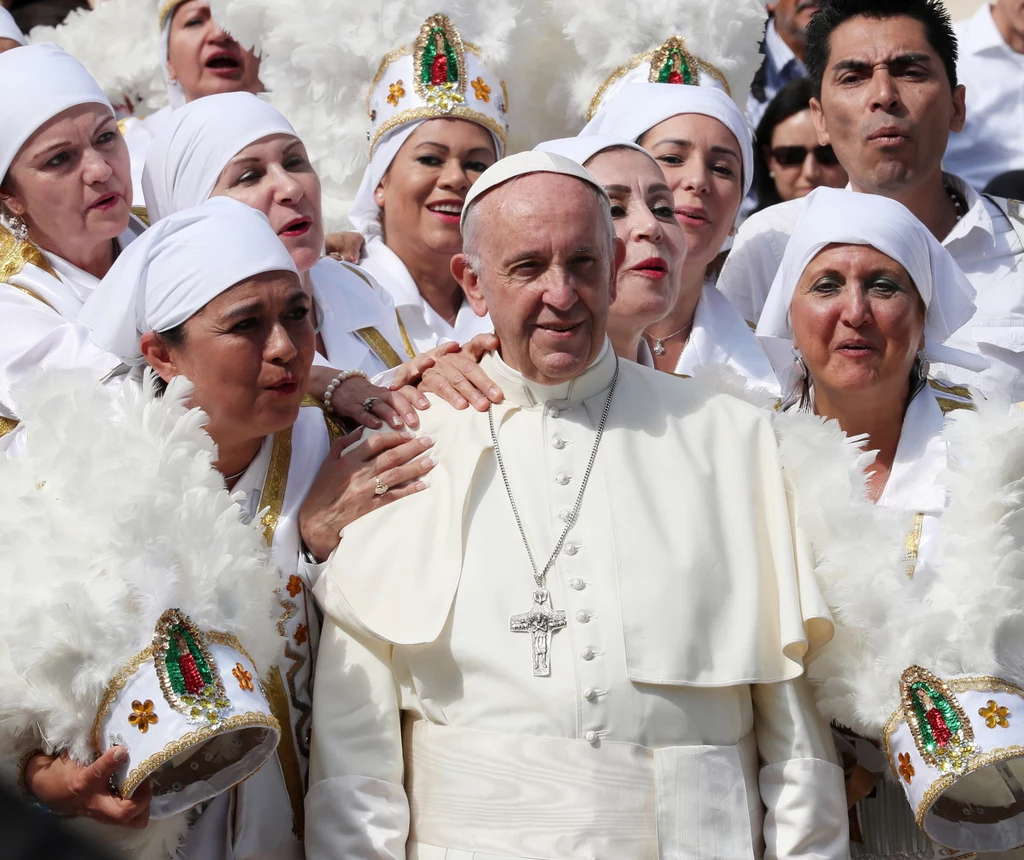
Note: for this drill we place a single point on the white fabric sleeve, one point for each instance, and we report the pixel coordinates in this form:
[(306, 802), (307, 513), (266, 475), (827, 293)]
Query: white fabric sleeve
[(33, 337), (356, 807), (801, 783)]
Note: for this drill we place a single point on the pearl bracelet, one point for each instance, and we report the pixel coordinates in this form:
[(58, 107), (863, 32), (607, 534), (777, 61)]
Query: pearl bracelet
[(340, 378)]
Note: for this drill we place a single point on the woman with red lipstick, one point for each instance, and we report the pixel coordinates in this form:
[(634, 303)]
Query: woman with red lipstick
[(65, 209), (699, 136), (236, 145), (643, 213), (864, 299)]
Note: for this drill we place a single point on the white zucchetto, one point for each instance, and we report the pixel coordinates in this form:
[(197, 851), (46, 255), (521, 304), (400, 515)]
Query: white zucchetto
[(834, 216), (174, 269), (192, 148), (523, 164), (9, 28), (637, 108), (41, 81), (582, 149)]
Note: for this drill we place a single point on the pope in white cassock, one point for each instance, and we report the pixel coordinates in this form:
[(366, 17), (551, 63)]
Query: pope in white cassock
[(595, 647)]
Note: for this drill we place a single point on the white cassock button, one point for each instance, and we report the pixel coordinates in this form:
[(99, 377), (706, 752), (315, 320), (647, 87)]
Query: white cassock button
[(553, 412), (558, 442), (577, 584), (564, 515), (587, 654), (582, 617), (570, 549), (562, 478), (590, 737), (590, 694)]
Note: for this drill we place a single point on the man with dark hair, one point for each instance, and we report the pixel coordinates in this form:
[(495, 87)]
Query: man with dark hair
[(884, 75), (784, 47)]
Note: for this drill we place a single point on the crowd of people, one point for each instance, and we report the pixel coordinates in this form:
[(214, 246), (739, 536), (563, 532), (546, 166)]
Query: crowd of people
[(525, 432)]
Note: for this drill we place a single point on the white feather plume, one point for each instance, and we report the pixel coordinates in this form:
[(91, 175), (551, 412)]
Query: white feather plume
[(119, 43), (607, 34), (968, 621), (318, 60), (113, 515)]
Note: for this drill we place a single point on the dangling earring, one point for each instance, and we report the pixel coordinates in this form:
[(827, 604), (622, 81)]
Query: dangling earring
[(924, 366), (800, 365), (15, 226)]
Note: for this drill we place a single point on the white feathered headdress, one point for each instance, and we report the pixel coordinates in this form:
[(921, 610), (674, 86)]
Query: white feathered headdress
[(706, 42), (320, 61), (119, 43), (137, 608)]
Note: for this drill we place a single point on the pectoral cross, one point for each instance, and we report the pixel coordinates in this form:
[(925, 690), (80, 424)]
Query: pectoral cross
[(541, 621)]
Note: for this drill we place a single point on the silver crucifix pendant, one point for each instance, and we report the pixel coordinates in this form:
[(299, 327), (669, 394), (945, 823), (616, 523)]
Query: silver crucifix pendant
[(541, 621)]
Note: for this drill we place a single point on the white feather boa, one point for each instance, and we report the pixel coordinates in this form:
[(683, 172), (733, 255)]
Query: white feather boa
[(112, 515), (971, 618)]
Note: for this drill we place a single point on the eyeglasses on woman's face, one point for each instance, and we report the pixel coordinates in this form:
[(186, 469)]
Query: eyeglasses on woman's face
[(794, 156)]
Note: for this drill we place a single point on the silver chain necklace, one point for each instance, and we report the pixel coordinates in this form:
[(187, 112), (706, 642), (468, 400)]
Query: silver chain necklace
[(659, 342), (541, 621)]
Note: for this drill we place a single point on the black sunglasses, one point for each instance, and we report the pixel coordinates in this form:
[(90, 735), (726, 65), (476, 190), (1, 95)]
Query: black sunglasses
[(792, 156)]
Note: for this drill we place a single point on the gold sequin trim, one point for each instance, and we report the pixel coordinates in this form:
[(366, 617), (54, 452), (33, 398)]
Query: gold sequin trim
[(7, 425), (15, 255), (648, 56), (912, 545), (453, 37), (957, 390), (276, 483), (273, 686), (201, 735), (977, 763), (972, 684), (457, 112)]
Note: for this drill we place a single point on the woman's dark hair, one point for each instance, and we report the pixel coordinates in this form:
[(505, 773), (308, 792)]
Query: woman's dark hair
[(789, 101), (932, 14)]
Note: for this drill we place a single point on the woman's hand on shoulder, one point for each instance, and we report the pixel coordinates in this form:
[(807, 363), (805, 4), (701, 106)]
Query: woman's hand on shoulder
[(384, 468), (347, 246), (453, 373), (68, 788), (355, 394)]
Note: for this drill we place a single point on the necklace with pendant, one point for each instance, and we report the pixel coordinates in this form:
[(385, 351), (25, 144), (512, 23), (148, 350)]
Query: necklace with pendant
[(659, 342), (541, 620)]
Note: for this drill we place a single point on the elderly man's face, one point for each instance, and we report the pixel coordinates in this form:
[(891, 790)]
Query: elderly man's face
[(546, 274)]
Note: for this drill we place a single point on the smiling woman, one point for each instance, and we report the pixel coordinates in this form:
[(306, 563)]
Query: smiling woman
[(65, 198)]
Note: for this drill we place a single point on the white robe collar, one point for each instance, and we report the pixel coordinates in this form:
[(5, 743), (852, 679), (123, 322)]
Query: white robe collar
[(78, 281), (921, 457), (523, 392)]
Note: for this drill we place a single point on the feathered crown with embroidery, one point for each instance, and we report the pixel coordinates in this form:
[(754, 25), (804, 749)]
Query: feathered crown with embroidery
[(346, 72), (702, 42), (119, 43)]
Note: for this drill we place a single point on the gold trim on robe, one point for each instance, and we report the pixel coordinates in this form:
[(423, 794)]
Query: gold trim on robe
[(7, 425), (14, 255), (384, 351)]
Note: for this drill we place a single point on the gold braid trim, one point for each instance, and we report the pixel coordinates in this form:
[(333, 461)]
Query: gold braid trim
[(200, 735), (956, 390), (273, 686), (410, 350), (975, 764), (380, 346), (947, 405), (457, 112), (167, 8), (912, 545), (276, 483)]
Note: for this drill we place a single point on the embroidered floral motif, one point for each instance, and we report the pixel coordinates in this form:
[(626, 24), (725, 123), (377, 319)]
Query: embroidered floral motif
[(142, 716), (243, 677), (395, 94), (482, 91), (301, 634), (294, 585), (906, 768), (995, 715)]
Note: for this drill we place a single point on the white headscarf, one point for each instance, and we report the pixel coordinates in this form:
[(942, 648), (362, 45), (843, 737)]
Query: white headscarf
[(836, 216), (582, 149), (191, 149), (365, 213), (40, 81), (174, 269), (637, 108), (166, 10), (9, 28)]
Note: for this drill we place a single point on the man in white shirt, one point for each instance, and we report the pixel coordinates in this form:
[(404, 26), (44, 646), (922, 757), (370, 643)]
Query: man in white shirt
[(991, 67), (885, 74), (596, 647)]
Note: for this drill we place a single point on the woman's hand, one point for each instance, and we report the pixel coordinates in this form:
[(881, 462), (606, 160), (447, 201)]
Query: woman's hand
[(346, 486), (452, 373), (68, 788), (347, 246), (350, 397)]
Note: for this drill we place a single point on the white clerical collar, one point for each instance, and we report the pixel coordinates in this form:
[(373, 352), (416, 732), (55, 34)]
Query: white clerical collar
[(523, 392)]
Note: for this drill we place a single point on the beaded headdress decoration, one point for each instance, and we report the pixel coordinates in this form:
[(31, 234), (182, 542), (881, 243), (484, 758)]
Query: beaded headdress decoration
[(444, 77)]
